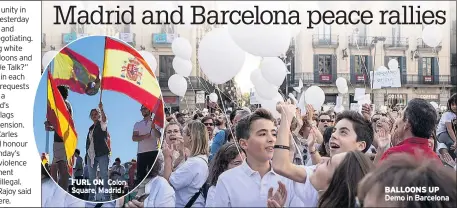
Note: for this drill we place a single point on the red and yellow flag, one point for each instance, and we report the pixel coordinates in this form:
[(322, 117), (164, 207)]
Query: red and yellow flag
[(126, 71), (59, 117), (76, 71)]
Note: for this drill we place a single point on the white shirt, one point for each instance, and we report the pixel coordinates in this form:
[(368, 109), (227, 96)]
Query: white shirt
[(440, 146), (188, 179), (210, 196), (161, 194), (242, 187), (53, 196), (145, 127), (306, 191), (446, 117)]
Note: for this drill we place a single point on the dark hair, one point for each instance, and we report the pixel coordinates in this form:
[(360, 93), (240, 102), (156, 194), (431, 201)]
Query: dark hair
[(243, 128), (363, 128), (323, 114), (207, 118), (197, 115), (77, 151), (233, 114), (405, 170), (452, 99), (92, 110), (421, 116), (178, 115), (304, 126), (221, 160), (155, 170), (326, 137), (342, 189), (117, 159), (63, 91)]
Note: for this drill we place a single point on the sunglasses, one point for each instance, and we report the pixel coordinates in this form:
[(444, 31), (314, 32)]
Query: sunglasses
[(209, 124)]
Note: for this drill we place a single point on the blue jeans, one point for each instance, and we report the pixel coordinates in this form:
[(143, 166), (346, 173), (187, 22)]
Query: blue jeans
[(102, 162)]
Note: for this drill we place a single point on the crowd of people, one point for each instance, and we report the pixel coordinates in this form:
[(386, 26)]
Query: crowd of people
[(95, 163), (321, 159)]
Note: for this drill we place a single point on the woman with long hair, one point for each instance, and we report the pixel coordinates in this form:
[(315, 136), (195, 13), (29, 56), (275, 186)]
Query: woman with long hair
[(173, 137), (189, 178), (445, 130), (228, 157)]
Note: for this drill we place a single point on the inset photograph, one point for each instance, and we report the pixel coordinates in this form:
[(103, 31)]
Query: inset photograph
[(98, 119)]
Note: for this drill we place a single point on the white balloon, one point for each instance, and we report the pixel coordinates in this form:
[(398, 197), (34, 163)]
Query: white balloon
[(219, 57), (181, 48), (262, 87), (434, 104), (270, 104), (213, 97), (182, 67), (343, 90), (315, 96), (432, 35), (47, 58), (273, 70), (341, 82), (177, 85), (261, 40), (338, 109), (150, 59), (382, 68), (393, 64)]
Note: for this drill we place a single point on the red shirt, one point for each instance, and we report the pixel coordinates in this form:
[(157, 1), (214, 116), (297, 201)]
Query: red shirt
[(418, 147)]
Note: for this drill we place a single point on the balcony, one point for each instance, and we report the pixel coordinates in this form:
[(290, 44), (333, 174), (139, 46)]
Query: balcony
[(163, 39), (421, 46), (325, 41), (396, 43), (360, 41), (428, 80), (196, 83)]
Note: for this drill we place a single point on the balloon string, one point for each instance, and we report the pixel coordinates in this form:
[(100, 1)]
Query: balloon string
[(230, 126)]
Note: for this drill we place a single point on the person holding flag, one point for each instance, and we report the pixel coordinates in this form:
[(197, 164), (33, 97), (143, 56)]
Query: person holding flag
[(59, 164)]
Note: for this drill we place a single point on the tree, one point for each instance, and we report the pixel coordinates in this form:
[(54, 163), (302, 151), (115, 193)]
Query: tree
[(245, 99)]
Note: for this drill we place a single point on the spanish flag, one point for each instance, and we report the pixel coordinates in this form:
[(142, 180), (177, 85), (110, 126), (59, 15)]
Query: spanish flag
[(59, 117), (126, 71), (76, 71)]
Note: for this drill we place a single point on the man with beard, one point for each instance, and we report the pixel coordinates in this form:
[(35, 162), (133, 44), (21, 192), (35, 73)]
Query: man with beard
[(147, 138), (413, 129)]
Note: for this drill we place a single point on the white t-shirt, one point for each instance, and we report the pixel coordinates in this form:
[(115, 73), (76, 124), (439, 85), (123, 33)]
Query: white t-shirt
[(161, 194), (242, 187), (446, 117), (149, 144), (53, 196), (210, 196), (188, 179), (306, 191)]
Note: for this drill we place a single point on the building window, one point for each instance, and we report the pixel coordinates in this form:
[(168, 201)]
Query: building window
[(167, 29), (78, 29), (324, 32), (325, 64), (360, 64), (427, 66), (166, 65)]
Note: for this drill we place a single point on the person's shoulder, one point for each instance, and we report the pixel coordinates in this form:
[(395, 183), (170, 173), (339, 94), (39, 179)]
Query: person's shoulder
[(232, 173)]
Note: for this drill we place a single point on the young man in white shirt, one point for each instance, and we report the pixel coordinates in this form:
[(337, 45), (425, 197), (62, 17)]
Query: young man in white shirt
[(147, 136), (248, 184)]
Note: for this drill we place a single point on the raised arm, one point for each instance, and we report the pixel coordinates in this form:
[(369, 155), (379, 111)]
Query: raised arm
[(281, 160)]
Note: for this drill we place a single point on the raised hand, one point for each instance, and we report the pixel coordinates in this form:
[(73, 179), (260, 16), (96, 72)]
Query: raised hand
[(382, 138), (278, 199), (366, 111), (287, 109)]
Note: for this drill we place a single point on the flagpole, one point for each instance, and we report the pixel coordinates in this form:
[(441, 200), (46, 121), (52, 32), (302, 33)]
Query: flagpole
[(103, 70)]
